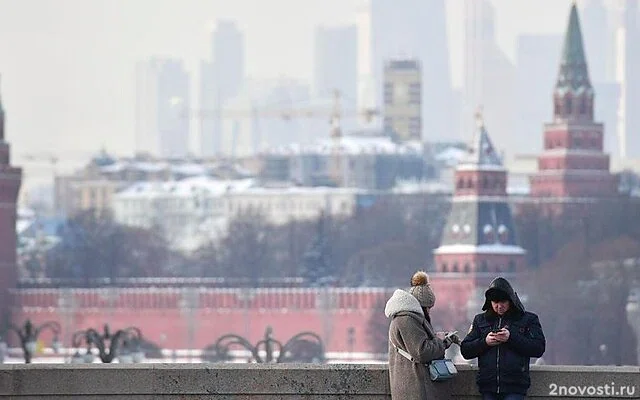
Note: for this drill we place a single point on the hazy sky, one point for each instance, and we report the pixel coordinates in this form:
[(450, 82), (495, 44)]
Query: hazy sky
[(67, 66)]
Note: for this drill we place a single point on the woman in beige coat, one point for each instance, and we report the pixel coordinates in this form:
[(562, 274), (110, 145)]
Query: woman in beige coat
[(412, 341)]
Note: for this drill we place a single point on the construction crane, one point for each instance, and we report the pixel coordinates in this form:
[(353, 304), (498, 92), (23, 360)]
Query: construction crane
[(50, 161), (333, 114)]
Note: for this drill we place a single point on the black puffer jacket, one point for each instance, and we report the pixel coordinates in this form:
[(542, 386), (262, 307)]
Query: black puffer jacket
[(504, 368)]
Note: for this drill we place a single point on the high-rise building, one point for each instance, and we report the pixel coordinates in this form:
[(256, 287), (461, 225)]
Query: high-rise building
[(221, 79), (147, 139), (335, 62), (365, 81), (255, 117), (162, 108), (10, 182), (599, 29), (533, 53), (479, 41), (489, 76), (402, 99), (607, 110), (596, 35), (407, 29), (630, 63), (573, 164)]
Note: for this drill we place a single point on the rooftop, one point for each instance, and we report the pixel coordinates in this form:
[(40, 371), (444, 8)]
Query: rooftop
[(352, 145)]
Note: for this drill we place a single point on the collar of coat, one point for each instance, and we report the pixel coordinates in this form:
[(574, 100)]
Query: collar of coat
[(402, 301)]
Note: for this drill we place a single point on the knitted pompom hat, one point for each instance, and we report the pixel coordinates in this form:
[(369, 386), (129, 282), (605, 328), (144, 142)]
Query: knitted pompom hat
[(421, 290)]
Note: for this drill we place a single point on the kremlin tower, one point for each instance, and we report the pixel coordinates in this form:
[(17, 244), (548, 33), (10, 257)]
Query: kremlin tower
[(573, 164), (10, 180), (479, 237)]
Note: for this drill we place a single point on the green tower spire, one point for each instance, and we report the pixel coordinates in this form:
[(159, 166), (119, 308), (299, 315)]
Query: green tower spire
[(574, 72)]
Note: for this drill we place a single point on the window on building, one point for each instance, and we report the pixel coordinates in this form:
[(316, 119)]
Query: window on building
[(569, 105), (445, 267), (388, 93), (484, 267), (512, 266), (577, 143), (415, 95), (557, 107), (415, 125), (583, 106)]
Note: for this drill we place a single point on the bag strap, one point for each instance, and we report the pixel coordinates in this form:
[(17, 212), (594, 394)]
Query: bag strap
[(402, 352)]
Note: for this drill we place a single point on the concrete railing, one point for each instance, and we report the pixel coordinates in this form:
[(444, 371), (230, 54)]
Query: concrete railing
[(284, 381)]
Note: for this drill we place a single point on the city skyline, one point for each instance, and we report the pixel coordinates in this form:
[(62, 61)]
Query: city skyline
[(86, 101)]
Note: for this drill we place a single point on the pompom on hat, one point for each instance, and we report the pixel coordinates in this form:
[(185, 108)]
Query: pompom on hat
[(421, 289)]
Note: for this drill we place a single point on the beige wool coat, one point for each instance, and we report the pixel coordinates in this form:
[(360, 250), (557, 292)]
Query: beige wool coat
[(412, 332)]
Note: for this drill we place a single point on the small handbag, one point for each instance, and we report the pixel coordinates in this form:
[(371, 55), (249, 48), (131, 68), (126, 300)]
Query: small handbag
[(439, 370), (442, 370)]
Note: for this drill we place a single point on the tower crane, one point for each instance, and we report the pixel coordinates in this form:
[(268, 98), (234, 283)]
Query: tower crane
[(333, 114)]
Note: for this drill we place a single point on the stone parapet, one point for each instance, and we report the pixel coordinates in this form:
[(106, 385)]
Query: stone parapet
[(284, 381)]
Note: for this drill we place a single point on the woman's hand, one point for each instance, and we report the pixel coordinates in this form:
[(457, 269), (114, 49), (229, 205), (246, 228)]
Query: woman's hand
[(455, 339)]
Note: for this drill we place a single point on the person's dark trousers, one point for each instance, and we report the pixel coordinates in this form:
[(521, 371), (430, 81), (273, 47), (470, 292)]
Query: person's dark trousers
[(502, 396)]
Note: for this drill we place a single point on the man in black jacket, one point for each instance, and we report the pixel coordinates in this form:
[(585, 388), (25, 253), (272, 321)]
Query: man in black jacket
[(503, 338)]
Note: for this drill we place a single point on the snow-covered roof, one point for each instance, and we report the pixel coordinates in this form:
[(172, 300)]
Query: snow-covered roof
[(146, 166), (257, 190), (190, 169), (22, 225), (155, 166), (115, 167), (350, 145), (24, 213), (480, 249), (451, 155), (408, 187), (185, 188)]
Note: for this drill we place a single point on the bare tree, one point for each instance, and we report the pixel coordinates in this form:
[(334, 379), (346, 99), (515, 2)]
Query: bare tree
[(378, 329), (574, 296), (245, 250), (95, 246)]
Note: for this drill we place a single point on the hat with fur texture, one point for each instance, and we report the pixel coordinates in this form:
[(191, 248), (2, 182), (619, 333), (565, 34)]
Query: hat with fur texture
[(421, 289)]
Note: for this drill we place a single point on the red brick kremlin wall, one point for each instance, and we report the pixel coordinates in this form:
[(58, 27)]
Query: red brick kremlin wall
[(165, 317)]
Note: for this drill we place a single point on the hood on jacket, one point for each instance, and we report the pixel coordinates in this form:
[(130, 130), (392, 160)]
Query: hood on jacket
[(502, 285), (402, 301)]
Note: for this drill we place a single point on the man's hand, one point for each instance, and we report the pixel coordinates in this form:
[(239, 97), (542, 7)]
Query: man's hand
[(492, 339), (503, 335)]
